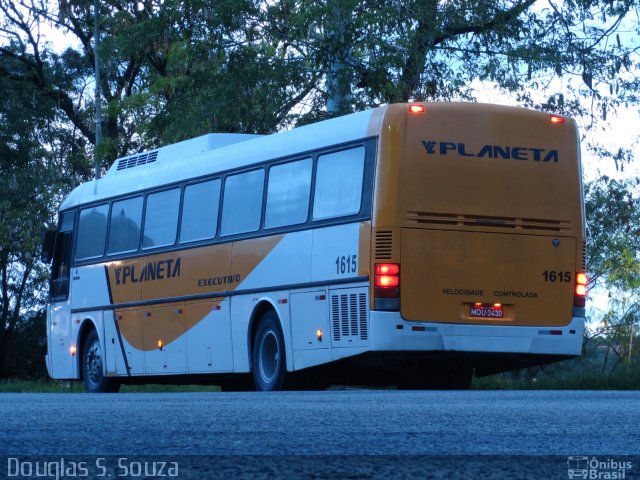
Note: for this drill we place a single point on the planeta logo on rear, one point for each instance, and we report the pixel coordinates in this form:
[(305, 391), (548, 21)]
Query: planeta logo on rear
[(491, 151)]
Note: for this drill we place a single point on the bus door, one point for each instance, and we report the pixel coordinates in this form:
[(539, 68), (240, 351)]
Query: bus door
[(61, 355)]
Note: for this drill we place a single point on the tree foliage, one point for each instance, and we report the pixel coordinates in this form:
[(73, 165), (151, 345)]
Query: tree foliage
[(175, 69), (415, 50), (613, 233), (613, 262), (36, 167), (170, 70)]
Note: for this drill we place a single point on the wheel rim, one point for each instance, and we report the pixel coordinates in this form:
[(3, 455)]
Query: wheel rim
[(93, 363), (269, 356)]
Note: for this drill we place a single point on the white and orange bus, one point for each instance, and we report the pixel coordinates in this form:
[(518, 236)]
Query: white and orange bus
[(412, 244)]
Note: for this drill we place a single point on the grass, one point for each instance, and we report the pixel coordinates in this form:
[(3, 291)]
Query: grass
[(621, 379), (53, 386), (39, 386)]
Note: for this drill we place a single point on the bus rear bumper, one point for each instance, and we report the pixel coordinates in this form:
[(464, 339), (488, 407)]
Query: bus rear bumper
[(390, 332)]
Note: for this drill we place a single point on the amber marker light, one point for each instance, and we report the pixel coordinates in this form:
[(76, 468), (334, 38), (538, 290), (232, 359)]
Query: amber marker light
[(581, 284), (579, 298), (416, 108), (319, 335), (73, 350), (160, 344)]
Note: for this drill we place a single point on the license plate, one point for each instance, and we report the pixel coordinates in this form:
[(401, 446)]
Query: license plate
[(486, 311)]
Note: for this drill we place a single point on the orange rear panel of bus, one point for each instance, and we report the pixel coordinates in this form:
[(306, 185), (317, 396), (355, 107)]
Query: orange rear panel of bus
[(487, 219)]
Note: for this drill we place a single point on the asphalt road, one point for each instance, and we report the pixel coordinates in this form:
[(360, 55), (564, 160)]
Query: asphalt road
[(332, 434)]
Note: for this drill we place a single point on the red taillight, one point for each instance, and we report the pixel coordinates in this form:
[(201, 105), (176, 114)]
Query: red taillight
[(387, 269), (579, 299), (416, 108), (556, 119), (387, 280)]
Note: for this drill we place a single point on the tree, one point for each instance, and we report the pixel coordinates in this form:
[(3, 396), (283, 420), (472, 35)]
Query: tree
[(613, 262), (551, 56), (176, 69), (36, 154), (171, 70), (613, 233)]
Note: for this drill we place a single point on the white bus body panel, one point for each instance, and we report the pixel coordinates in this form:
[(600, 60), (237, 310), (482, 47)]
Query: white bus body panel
[(171, 358), (89, 287), (289, 263), (331, 244), (386, 336), (134, 357), (111, 349), (59, 326), (209, 343), (310, 330)]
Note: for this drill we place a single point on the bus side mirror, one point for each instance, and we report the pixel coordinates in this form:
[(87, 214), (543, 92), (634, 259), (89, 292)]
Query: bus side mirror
[(47, 246)]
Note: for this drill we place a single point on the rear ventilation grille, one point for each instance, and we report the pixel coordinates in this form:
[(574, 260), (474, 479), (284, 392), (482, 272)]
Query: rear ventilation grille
[(428, 218), (349, 320), (137, 160), (584, 256), (384, 245)]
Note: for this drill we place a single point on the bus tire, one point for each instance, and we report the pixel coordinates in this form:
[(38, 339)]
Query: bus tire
[(268, 354), (93, 369)]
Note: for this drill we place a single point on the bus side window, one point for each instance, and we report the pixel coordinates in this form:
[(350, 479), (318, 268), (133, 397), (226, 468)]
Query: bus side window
[(339, 179), (92, 232), (288, 194), (124, 232), (242, 204), (59, 289), (161, 219), (200, 211)]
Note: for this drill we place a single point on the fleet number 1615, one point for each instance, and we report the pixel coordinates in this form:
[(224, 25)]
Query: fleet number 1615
[(346, 264), (553, 276)]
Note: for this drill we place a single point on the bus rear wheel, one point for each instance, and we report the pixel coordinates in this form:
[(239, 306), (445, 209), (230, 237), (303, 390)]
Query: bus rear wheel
[(268, 354), (93, 375)]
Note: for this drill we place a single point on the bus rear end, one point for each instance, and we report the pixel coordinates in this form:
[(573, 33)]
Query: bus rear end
[(478, 234)]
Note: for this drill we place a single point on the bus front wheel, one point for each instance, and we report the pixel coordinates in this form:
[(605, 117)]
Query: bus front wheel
[(93, 375), (268, 354)]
